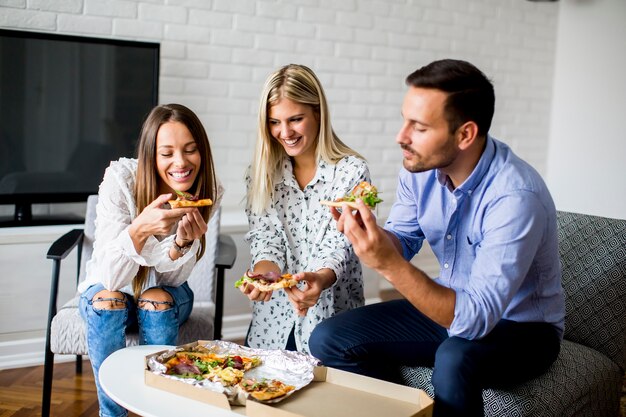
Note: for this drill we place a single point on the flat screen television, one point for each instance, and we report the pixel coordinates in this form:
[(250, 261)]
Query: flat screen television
[(68, 106)]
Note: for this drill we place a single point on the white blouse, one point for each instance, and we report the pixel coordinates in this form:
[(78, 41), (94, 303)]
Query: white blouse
[(298, 234), (115, 261)]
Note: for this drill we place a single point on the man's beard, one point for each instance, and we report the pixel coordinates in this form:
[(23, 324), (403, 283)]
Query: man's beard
[(445, 156)]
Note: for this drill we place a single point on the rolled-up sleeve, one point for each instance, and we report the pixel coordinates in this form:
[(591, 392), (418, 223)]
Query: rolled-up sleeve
[(334, 254), (266, 237), (332, 249), (402, 220), (266, 240)]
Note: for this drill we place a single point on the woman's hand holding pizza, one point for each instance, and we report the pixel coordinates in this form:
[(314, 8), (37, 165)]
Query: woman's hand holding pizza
[(255, 294), (252, 291), (190, 227), (154, 220), (314, 284)]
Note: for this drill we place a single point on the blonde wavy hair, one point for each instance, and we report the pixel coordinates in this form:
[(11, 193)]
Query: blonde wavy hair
[(299, 84), (147, 181)]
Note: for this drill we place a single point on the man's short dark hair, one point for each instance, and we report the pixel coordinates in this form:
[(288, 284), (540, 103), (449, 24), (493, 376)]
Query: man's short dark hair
[(470, 93)]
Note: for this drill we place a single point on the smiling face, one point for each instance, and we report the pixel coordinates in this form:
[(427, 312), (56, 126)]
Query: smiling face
[(295, 126), (178, 160), (425, 138)]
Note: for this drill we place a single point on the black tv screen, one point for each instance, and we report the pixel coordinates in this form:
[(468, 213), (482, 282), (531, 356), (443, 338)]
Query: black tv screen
[(68, 106)]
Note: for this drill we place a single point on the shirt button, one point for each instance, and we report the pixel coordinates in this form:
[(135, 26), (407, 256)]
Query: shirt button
[(449, 237), (446, 265)]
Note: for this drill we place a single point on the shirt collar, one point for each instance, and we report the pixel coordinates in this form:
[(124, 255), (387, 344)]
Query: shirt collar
[(325, 173), (477, 174)]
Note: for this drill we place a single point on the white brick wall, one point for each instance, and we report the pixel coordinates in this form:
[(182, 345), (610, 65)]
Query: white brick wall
[(216, 54)]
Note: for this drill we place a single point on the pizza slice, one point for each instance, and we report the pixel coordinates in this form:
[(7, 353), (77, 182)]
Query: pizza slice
[(268, 281), (232, 370), (227, 369), (244, 363), (226, 376), (185, 366), (363, 191), (185, 199), (265, 389)]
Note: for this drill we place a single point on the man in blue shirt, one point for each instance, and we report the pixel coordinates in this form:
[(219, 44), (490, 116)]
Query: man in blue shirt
[(494, 317)]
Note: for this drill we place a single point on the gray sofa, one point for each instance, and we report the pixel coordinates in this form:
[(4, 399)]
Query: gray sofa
[(586, 379)]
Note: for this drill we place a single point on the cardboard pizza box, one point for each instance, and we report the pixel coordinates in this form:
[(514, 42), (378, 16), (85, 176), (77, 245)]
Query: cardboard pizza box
[(338, 393), (331, 393)]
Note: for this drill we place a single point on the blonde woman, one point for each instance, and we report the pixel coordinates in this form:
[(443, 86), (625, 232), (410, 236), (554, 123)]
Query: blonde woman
[(298, 162), (143, 251)]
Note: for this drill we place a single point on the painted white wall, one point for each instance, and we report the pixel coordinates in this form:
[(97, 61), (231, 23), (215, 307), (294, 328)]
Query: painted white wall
[(587, 153), (215, 55)]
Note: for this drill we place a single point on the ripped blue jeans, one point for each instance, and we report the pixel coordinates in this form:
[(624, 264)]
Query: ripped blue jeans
[(106, 330)]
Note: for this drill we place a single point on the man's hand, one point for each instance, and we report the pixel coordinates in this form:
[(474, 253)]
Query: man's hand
[(382, 252), (371, 243)]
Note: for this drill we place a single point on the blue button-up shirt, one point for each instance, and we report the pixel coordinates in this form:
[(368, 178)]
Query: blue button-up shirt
[(495, 237)]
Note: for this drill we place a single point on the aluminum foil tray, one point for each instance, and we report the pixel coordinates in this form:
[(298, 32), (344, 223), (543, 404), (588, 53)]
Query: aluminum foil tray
[(291, 368)]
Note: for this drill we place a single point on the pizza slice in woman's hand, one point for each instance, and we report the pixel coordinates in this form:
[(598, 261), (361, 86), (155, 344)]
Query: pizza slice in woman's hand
[(185, 199), (268, 281)]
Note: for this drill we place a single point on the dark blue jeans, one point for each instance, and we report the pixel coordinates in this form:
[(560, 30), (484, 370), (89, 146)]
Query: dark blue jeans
[(377, 339)]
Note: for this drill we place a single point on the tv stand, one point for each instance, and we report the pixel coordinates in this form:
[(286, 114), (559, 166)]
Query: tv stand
[(23, 216), (23, 213)]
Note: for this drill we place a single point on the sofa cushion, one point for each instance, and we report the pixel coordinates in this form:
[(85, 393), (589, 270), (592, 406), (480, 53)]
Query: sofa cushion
[(581, 382), (593, 261)]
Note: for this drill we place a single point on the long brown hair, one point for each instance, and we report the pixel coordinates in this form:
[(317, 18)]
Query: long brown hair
[(147, 181)]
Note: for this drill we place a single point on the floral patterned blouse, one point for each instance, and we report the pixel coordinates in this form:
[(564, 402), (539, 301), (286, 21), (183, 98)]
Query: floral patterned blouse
[(298, 234)]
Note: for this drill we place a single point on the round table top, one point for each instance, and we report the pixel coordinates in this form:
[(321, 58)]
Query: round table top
[(122, 378)]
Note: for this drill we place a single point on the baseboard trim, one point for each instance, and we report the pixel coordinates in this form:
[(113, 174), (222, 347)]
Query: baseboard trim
[(373, 300), (26, 352), (236, 327)]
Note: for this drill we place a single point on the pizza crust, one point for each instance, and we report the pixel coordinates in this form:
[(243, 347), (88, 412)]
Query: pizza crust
[(190, 203)]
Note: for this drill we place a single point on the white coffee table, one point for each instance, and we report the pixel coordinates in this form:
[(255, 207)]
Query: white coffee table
[(122, 378)]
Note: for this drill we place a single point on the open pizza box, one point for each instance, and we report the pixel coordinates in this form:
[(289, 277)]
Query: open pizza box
[(331, 393)]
